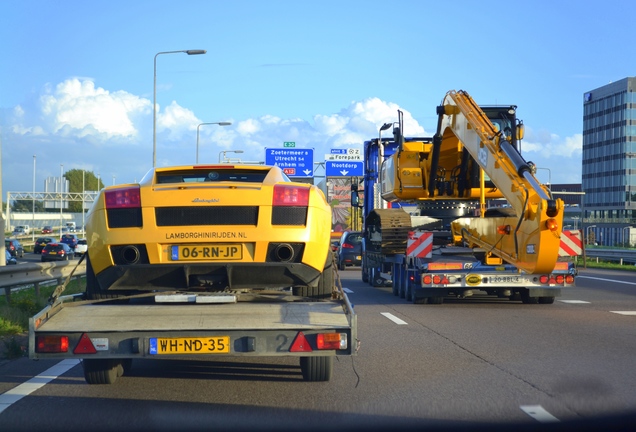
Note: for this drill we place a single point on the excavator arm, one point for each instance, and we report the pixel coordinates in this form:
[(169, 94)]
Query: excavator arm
[(528, 233)]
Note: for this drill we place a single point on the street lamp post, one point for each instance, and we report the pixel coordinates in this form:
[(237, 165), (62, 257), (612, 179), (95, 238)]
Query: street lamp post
[(61, 191), (154, 99), (228, 151), (33, 210), (201, 124)]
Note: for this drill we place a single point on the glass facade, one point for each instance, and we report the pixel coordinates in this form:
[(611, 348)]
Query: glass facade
[(609, 159)]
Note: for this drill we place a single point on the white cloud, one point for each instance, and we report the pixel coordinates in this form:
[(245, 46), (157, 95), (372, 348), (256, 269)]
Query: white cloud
[(548, 144), (79, 108)]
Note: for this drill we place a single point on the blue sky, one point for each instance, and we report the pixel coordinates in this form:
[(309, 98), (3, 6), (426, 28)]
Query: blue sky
[(76, 82)]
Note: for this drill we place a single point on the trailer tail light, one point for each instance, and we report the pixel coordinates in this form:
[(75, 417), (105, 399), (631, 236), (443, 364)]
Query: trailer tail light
[(123, 198), (85, 346), (323, 341), (569, 279), (331, 341), (427, 279), (51, 344)]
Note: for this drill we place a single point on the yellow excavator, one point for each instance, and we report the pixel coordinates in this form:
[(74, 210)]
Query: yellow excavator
[(474, 156)]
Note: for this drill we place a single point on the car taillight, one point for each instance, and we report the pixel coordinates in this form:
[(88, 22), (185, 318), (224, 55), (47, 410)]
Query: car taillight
[(347, 246), (290, 196), (123, 198)]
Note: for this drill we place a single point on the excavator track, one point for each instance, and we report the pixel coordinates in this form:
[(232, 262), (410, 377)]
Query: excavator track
[(388, 230)]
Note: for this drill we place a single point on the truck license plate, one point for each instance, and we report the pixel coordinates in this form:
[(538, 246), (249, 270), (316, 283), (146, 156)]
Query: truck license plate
[(206, 253), (192, 345)]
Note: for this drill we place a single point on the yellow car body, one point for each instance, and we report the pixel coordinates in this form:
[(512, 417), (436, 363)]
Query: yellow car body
[(208, 227)]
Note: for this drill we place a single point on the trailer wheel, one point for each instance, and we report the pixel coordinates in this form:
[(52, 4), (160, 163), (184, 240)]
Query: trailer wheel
[(546, 300), (102, 371), (435, 300), (316, 368), (526, 299), (365, 275)]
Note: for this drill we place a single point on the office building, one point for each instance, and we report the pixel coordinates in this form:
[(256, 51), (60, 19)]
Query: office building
[(609, 163)]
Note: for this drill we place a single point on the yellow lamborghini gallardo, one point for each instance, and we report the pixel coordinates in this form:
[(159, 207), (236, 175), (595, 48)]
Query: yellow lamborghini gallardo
[(209, 228)]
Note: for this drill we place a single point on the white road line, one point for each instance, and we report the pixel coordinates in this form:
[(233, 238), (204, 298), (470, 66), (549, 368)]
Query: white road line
[(624, 312), (25, 389), (394, 318), (538, 413), (575, 301), (606, 280), (347, 290)]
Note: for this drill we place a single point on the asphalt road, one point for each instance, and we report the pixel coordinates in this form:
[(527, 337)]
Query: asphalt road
[(468, 363)]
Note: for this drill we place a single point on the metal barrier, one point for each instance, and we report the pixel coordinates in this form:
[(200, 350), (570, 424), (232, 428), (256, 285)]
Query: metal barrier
[(15, 276)]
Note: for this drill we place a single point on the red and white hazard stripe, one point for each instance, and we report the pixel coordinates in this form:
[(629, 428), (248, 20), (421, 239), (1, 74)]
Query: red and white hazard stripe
[(571, 243), (419, 244)]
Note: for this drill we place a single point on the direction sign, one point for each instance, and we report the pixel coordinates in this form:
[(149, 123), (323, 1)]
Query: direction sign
[(295, 162), (338, 151), (344, 169), (343, 157), (289, 144)]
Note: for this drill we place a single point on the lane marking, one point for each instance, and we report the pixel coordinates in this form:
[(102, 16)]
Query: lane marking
[(25, 389), (575, 301), (607, 280), (624, 312), (394, 318), (538, 413), (347, 290)]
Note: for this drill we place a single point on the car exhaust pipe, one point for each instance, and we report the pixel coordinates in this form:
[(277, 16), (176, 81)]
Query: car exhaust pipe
[(284, 252), (130, 254)]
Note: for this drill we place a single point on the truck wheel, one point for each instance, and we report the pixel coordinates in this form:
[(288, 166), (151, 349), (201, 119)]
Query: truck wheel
[(546, 300), (102, 371), (365, 276), (316, 368)]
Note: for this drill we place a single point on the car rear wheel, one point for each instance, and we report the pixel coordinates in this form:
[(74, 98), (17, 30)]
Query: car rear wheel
[(325, 283), (93, 291)]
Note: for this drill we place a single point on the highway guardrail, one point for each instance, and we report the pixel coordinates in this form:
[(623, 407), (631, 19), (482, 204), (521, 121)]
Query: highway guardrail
[(13, 277)]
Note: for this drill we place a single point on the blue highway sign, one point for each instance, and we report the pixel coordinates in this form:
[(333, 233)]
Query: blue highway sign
[(344, 169), (295, 162)]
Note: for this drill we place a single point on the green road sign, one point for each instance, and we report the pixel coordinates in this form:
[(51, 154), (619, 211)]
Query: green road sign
[(289, 144)]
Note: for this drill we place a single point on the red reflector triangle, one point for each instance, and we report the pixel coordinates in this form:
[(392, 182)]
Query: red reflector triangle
[(300, 344), (85, 346)]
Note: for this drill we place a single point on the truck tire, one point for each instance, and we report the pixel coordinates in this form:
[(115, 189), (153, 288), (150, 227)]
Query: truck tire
[(435, 300), (365, 275), (526, 299), (316, 368), (102, 371)]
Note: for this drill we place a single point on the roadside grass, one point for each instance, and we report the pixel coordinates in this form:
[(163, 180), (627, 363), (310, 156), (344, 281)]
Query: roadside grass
[(608, 265), (14, 317)]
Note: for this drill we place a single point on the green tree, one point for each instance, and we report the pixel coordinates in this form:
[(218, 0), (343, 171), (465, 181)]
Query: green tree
[(26, 206), (79, 179)]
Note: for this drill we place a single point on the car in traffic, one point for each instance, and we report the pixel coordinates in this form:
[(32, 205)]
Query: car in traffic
[(26, 229), (349, 251), (47, 229), (82, 247), (57, 252), (40, 242), (10, 258), (69, 239), (217, 227), (14, 247), (18, 231)]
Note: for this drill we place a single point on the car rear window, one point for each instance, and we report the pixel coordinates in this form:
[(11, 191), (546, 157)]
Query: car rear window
[(354, 238), (213, 175)]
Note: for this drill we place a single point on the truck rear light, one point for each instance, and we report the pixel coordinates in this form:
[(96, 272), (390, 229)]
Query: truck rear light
[(561, 265), (569, 279), (331, 341), (51, 344), (85, 346), (559, 279), (427, 279), (285, 195), (129, 197)]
